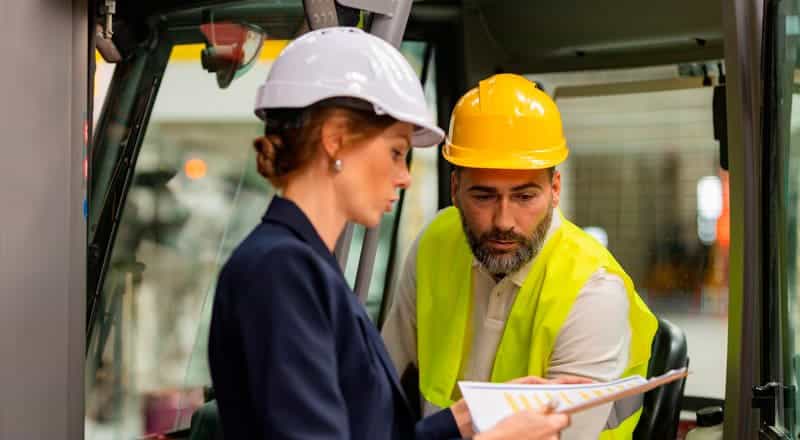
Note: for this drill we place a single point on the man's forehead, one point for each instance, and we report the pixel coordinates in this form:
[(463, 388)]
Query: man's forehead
[(502, 178)]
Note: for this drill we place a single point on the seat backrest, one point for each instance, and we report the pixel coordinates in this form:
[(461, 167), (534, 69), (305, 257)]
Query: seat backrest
[(662, 406), (205, 423)]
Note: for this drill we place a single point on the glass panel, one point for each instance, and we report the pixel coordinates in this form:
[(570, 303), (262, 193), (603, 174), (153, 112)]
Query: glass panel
[(786, 175), (643, 177), (414, 53), (421, 199), (102, 78), (196, 194), (791, 338)]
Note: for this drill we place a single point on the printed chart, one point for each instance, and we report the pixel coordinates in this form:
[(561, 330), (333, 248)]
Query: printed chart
[(489, 402)]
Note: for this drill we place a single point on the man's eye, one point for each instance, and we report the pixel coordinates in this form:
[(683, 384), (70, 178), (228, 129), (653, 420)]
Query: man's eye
[(524, 197)]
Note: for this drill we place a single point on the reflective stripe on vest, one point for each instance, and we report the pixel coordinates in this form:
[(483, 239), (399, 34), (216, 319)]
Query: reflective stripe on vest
[(565, 263)]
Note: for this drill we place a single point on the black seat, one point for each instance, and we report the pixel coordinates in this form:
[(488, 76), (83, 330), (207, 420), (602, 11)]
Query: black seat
[(662, 406), (205, 423)]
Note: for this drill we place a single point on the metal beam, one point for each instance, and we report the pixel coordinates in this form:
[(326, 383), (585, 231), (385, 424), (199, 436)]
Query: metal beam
[(43, 229), (391, 29), (743, 34)]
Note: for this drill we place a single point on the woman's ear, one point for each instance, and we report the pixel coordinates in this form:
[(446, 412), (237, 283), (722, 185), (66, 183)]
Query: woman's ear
[(332, 134)]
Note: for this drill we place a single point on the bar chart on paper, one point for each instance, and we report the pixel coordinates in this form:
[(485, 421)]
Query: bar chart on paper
[(564, 398), (489, 402)]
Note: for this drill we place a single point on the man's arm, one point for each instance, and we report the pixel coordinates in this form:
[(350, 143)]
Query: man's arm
[(594, 342)]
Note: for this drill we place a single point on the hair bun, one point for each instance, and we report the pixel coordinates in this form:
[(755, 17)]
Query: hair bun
[(270, 159)]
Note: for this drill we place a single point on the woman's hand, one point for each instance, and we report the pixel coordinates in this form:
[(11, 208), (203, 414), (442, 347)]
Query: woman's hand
[(527, 425), (463, 418)]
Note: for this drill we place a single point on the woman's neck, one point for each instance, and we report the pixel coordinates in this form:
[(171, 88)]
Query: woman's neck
[(319, 203)]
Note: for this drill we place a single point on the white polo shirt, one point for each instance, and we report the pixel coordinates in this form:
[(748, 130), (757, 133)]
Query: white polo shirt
[(594, 341)]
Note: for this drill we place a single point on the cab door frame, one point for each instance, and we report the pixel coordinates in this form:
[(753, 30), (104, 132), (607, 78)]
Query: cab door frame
[(742, 25)]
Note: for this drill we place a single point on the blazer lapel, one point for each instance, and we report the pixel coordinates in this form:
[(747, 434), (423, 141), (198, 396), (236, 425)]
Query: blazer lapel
[(285, 212), (376, 341)]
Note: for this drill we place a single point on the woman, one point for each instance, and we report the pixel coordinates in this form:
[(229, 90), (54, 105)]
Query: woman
[(293, 354)]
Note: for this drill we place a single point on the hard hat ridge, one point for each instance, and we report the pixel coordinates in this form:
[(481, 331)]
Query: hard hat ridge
[(506, 122)]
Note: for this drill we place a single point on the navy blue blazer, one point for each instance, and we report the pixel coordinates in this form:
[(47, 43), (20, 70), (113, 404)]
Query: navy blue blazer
[(293, 354)]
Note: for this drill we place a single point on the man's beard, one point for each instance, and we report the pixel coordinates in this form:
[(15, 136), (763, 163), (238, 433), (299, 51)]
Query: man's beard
[(504, 263)]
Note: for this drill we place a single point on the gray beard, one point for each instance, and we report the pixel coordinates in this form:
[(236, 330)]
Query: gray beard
[(503, 263)]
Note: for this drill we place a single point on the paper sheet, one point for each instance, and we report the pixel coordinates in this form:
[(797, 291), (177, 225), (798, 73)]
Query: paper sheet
[(491, 402)]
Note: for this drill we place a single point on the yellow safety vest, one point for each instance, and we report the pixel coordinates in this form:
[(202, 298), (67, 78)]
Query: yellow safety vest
[(562, 268)]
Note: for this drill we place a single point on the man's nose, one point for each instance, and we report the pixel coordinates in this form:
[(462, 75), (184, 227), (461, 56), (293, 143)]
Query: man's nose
[(503, 220)]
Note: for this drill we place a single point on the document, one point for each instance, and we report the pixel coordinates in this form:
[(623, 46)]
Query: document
[(491, 402)]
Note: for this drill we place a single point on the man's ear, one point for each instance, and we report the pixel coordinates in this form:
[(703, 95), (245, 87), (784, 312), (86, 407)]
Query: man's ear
[(454, 180), (556, 185)]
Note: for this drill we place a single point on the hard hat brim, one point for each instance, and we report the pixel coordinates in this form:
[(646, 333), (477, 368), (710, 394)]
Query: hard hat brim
[(425, 133), (541, 158)]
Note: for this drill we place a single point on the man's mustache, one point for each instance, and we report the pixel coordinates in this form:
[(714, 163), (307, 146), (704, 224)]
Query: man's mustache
[(498, 235)]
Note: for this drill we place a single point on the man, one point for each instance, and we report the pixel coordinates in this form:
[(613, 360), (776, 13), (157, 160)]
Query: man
[(501, 286)]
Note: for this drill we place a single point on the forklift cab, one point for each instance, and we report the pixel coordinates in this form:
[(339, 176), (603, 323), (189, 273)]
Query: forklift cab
[(173, 184)]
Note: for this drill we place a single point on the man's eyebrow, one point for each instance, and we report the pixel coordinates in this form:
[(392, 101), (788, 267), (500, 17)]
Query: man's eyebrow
[(481, 188), (490, 189), (526, 186)]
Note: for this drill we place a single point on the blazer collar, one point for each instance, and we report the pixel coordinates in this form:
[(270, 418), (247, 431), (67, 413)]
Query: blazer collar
[(286, 213)]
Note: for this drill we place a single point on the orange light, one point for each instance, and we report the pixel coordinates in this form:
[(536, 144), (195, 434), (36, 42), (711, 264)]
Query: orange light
[(195, 168), (724, 220)]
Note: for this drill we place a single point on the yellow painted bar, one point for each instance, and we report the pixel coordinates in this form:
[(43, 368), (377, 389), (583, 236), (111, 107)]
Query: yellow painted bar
[(191, 52)]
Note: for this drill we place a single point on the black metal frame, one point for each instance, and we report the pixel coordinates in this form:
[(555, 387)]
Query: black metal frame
[(115, 190), (775, 399)]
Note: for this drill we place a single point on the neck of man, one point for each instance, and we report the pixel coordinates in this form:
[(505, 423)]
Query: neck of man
[(498, 277)]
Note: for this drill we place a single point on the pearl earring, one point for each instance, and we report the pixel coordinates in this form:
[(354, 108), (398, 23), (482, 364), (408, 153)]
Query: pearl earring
[(337, 165)]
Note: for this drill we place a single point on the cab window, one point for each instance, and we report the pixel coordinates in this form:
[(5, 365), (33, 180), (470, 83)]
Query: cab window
[(195, 195), (644, 178)]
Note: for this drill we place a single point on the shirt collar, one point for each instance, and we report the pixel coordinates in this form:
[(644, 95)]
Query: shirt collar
[(519, 277)]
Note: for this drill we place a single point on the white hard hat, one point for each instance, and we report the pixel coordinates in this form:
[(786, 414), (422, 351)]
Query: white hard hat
[(346, 62)]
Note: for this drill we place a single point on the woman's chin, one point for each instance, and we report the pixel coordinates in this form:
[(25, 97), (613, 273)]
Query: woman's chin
[(369, 220)]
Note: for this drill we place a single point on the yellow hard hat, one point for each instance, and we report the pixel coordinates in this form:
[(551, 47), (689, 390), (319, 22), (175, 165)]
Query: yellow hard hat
[(506, 123)]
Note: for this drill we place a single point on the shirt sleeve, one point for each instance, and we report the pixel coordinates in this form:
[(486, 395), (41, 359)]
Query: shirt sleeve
[(288, 341), (594, 342), (400, 329)]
